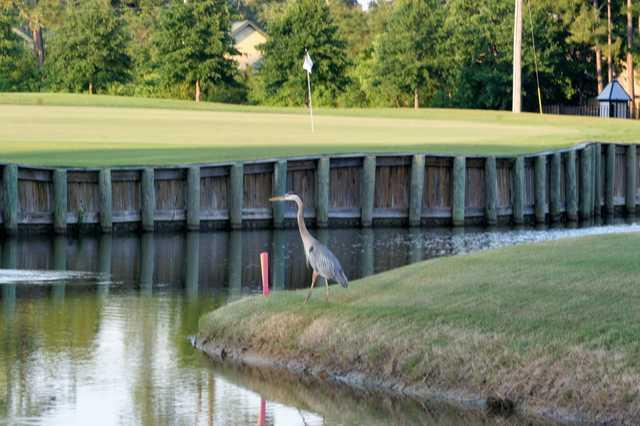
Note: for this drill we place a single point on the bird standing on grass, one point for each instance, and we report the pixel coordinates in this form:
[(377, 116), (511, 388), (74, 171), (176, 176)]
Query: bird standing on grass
[(322, 261)]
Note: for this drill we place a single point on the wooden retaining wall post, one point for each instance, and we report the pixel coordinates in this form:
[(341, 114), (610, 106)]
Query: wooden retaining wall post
[(417, 186), (236, 197), (491, 191), (60, 201), (105, 201), (540, 188), (148, 199), (368, 190), (279, 188), (631, 179), (10, 199), (555, 211), (597, 179), (609, 180), (518, 191), (586, 189), (193, 198), (571, 193), (459, 175), (322, 190)]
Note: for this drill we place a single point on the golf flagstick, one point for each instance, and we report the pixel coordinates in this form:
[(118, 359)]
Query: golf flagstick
[(307, 66)]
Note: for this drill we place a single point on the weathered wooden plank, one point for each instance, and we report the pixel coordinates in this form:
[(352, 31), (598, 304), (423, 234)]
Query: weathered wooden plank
[(571, 187), (38, 175), (393, 184), (540, 188), (236, 186), (368, 190), (323, 188), (474, 184), (393, 161), (35, 195), (459, 175), (345, 184), (417, 190), (504, 171), (60, 201), (555, 208), (518, 191), (125, 176), (210, 172), (337, 162), (438, 185), (106, 202), (193, 198), (631, 179), (279, 188), (148, 209)]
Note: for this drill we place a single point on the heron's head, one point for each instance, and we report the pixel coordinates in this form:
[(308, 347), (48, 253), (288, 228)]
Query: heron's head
[(286, 197)]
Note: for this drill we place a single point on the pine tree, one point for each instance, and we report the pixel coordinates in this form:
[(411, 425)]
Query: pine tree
[(195, 45), (89, 49), (305, 24)]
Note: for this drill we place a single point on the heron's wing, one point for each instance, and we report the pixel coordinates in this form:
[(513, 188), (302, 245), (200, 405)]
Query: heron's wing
[(324, 262)]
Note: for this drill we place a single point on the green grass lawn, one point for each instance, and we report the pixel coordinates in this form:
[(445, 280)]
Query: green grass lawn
[(553, 325), (83, 130)]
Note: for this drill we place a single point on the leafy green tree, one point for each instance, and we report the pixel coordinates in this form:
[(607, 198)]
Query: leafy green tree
[(89, 49), (17, 65), (194, 45), (405, 61), (305, 24)]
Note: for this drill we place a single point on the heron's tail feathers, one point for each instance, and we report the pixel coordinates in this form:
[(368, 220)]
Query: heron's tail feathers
[(341, 278)]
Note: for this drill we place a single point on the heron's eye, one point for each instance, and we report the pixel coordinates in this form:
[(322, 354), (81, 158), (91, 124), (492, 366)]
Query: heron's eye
[(310, 249)]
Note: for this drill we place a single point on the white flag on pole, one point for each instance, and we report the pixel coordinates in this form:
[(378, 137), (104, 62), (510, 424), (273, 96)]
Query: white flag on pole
[(308, 63)]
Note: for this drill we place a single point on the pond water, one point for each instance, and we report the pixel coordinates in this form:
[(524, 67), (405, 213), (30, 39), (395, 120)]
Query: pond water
[(95, 330)]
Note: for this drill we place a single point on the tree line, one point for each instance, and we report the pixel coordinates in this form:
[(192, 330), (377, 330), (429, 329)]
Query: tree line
[(400, 53)]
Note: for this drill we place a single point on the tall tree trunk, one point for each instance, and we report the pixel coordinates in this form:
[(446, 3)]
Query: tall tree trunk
[(598, 51), (416, 100), (90, 88), (38, 43), (197, 90), (609, 59), (630, 75)]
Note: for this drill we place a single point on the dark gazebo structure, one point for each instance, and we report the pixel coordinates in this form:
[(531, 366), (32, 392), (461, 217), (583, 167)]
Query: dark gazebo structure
[(614, 101)]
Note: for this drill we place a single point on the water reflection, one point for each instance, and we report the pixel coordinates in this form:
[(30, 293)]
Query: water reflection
[(93, 330)]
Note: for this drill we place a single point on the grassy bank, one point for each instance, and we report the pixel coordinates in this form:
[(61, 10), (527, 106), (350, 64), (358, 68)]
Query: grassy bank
[(83, 130), (550, 326)]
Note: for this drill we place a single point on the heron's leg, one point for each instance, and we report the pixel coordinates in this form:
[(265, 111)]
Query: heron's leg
[(326, 283), (313, 283)]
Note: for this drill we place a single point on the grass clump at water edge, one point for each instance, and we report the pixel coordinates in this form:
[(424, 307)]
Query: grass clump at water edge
[(552, 326)]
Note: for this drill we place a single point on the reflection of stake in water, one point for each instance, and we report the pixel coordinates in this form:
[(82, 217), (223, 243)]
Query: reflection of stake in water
[(235, 263), (104, 254), (59, 264), (193, 263), (147, 262)]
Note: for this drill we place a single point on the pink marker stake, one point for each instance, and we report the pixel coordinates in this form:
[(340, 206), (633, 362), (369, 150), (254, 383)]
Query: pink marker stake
[(264, 264), (262, 415)]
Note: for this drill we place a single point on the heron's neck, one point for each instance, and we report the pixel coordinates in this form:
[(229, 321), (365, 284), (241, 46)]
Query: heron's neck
[(301, 225)]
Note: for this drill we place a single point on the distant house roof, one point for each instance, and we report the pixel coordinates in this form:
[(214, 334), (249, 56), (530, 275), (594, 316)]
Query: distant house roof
[(239, 28), (614, 92)]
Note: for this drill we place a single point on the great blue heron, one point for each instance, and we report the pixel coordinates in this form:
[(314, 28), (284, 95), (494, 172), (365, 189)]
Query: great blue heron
[(322, 261)]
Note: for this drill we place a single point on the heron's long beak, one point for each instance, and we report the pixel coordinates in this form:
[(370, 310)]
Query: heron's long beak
[(278, 198)]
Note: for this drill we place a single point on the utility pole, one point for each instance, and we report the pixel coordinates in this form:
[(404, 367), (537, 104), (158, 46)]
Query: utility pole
[(609, 44), (630, 75), (517, 57)]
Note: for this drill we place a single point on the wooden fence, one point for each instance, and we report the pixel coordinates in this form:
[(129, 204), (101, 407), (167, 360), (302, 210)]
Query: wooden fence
[(580, 183)]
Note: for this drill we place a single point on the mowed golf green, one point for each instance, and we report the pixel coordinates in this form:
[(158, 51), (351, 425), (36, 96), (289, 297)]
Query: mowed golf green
[(82, 130)]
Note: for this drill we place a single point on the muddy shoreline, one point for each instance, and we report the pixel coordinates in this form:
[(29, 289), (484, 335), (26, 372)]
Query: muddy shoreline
[(493, 404)]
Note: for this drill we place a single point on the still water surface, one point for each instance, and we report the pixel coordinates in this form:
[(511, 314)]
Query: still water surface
[(94, 331)]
